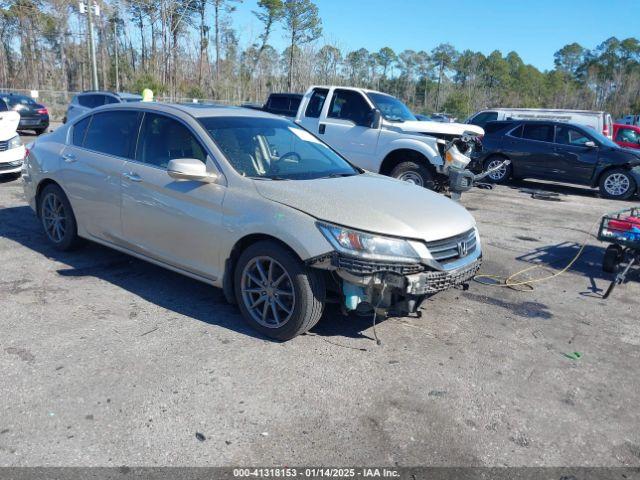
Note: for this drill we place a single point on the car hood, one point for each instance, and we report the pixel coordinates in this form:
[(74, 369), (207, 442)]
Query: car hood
[(8, 124), (439, 128), (373, 203)]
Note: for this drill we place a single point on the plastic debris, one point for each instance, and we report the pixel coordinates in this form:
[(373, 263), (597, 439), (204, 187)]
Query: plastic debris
[(200, 436), (573, 355)]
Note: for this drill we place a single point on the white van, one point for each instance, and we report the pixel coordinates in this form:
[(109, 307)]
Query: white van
[(599, 121)]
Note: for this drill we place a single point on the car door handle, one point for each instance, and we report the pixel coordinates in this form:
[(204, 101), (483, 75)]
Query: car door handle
[(322, 128), (69, 157), (133, 177)]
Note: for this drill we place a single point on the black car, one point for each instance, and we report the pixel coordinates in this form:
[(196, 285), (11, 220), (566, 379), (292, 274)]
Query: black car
[(33, 116), (285, 104), (562, 152)]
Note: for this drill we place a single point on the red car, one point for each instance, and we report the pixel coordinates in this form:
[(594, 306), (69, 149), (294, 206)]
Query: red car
[(627, 136)]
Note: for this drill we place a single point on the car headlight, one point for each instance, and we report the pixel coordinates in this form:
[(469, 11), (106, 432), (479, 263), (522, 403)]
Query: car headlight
[(15, 142), (368, 245)]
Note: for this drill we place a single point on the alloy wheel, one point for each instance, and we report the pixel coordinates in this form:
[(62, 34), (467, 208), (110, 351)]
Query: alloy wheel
[(54, 217), (267, 292), (617, 184), (500, 173)]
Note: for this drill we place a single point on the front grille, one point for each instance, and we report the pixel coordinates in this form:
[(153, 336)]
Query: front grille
[(4, 145), (450, 249), (359, 266), (433, 282)]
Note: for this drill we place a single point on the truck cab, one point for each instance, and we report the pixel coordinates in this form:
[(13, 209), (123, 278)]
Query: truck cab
[(377, 132)]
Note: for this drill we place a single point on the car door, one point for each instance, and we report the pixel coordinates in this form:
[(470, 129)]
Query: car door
[(533, 151), (92, 166), (310, 119), (575, 161), (175, 221), (347, 127)]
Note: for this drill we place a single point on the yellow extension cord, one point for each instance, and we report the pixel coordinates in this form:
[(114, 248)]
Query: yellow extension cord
[(500, 281)]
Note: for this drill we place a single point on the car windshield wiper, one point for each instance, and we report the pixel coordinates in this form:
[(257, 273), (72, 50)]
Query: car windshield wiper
[(268, 177), (343, 174)]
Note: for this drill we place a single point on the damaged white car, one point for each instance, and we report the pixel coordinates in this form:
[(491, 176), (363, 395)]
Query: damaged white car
[(251, 203), (11, 149), (377, 132)]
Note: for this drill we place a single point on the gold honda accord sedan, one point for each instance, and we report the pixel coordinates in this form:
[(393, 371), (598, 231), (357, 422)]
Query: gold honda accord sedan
[(251, 203)]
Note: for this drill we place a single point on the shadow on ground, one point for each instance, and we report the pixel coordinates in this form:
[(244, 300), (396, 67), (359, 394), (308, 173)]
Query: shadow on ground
[(157, 285)]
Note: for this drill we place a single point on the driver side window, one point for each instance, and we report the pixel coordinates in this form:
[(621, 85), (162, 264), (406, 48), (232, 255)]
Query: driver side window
[(163, 139), (349, 105)]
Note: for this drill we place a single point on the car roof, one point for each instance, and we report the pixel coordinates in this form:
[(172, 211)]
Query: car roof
[(123, 95), (196, 110)]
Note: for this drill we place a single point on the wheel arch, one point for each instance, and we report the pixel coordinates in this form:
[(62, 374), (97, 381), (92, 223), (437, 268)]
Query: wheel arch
[(624, 166), (240, 246), (395, 157), (45, 182)]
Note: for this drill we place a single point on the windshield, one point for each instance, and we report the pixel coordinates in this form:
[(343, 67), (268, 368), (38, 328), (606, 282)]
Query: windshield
[(270, 148), (131, 99), (606, 141), (391, 108)]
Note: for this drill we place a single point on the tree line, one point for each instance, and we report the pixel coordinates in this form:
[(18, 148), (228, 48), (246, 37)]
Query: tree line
[(192, 49)]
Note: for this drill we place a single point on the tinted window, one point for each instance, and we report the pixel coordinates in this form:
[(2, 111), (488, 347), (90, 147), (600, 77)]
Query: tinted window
[(516, 132), (493, 127), (349, 105), (316, 102), (113, 133), (542, 133), (163, 139), (279, 103), (15, 100), (79, 130), (3, 106), (571, 136), (109, 99), (482, 118), (91, 101)]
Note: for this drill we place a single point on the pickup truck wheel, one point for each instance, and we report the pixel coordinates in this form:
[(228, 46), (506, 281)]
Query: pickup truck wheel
[(277, 294), (617, 184), (502, 175), (415, 173)]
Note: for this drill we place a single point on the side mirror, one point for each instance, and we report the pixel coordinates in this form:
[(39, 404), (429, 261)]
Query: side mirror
[(189, 169), (376, 118), (590, 144)]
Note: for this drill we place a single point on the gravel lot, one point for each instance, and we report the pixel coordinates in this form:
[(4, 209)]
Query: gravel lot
[(107, 360)]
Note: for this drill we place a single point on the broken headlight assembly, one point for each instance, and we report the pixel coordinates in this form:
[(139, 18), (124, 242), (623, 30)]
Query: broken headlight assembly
[(14, 142), (368, 245)]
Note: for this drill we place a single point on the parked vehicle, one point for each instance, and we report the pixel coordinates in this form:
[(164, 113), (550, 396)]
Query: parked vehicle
[(627, 136), (379, 133), (285, 104), (33, 115), (629, 120), (11, 149), (442, 117), (599, 121), (559, 151), (86, 101), (422, 118), (252, 203)]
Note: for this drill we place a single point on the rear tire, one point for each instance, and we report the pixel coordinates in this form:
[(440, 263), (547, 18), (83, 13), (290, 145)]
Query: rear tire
[(57, 218), (617, 184), (277, 294), (612, 259), (500, 176), (415, 173)]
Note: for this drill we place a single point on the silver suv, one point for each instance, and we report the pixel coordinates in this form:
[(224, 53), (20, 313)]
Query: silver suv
[(251, 203), (85, 101)]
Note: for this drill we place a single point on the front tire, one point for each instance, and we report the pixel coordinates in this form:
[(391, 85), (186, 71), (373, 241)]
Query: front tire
[(277, 294), (499, 176), (57, 218), (617, 184), (415, 173)]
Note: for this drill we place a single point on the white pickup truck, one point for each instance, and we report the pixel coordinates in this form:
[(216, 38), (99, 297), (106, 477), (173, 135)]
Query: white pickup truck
[(377, 132)]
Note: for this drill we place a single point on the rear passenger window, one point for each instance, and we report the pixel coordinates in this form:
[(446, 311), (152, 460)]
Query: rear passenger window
[(163, 139), (89, 101), (541, 133), (279, 103), (109, 99), (113, 133), (79, 130), (316, 102)]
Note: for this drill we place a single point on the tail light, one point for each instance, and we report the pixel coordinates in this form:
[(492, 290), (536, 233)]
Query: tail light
[(42, 111)]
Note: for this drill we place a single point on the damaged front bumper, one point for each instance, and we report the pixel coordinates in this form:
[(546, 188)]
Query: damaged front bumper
[(394, 287)]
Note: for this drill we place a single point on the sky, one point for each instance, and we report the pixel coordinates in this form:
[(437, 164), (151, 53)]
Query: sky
[(535, 29)]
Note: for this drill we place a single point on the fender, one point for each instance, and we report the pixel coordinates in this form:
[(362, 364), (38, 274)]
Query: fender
[(427, 147)]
